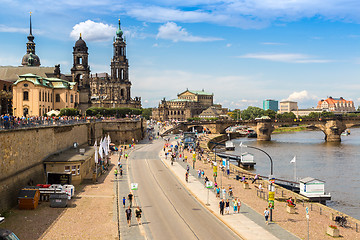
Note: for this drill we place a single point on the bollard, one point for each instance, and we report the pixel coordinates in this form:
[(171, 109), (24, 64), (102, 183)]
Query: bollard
[(356, 227), (320, 210), (282, 193), (303, 203), (311, 206)]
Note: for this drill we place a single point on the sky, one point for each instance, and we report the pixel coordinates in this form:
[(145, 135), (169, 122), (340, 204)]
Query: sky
[(242, 51)]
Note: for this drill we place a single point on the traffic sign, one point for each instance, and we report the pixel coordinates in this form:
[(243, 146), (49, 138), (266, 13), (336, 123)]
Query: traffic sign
[(134, 186), (209, 184), (271, 196)]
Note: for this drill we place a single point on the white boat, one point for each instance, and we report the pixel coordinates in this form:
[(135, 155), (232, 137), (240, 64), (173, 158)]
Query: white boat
[(346, 132), (229, 146)]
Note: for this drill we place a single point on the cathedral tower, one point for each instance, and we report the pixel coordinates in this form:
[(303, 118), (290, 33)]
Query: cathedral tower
[(80, 73), (30, 58), (120, 67)]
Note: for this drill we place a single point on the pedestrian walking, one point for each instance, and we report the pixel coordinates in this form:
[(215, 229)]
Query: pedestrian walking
[(116, 172), (187, 176), (222, 205), (130, 198), (128, 215), (218, 192), (187, 168), (138, 215), (266, 215), (124, 201), (238, 205), (199, 173), (235, 204), (224, 193), (121, 172), (126, 156), (206, 179), (227, 206)]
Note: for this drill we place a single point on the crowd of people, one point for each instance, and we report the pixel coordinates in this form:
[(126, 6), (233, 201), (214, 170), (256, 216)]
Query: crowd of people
[(13, 122)]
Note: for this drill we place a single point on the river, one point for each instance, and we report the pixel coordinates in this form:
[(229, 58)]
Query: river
[(334, 163)]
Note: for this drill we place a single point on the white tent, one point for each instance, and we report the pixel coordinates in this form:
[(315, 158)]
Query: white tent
[(53, 112)]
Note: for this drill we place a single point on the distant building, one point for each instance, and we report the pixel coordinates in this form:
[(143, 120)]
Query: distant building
[(336, 105), (305, 112), (34, 95), (287, 106), (114, 90), (271, 104), (189, 104), (214, 112)]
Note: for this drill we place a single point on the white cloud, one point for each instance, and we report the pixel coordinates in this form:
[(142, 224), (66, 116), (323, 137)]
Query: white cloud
[(4, 28), (93, 31), (171, 31), (300, 96), (228, 45), (285, 57)]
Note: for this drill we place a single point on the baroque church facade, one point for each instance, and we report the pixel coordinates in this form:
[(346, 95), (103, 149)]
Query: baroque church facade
[(96, 90), (115, 90)]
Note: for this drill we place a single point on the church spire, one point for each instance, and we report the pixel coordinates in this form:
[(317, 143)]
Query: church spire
[(119, 32), (30, 58), (30, 37)]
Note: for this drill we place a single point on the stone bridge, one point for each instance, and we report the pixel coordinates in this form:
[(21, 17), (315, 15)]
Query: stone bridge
[(331, 127)]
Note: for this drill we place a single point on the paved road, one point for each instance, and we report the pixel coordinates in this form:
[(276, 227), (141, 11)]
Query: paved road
[(170, 212)]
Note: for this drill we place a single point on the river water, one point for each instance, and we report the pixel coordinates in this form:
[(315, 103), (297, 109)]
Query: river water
[(335, 163)]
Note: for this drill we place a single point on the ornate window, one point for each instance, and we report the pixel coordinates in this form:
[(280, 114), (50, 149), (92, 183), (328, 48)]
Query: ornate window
[(57, 98)]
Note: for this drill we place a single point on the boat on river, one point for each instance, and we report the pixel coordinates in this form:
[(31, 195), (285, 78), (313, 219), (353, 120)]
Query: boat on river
[(346, 132), (229, 146)]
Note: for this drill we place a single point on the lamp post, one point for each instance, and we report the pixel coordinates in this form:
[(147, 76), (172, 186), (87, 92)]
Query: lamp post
[(216, 144), (271, 171)]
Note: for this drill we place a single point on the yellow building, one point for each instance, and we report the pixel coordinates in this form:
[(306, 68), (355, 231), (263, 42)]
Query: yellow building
[(35, 96)]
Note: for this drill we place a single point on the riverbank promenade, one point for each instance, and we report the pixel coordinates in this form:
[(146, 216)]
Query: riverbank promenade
[(248, 224)]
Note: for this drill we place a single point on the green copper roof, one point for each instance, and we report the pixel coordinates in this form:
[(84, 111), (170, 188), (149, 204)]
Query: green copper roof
[(119, 32), (46, 82), (199, 92)]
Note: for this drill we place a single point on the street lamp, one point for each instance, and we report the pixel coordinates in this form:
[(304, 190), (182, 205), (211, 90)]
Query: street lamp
[(271, 172)]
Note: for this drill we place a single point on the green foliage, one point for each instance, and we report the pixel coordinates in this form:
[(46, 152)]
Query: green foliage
[(270, 113), (236, 114), (193, 119), (251, 113), (112, 112), (287, 115), (327, 114), (69, 112), (147, 113)]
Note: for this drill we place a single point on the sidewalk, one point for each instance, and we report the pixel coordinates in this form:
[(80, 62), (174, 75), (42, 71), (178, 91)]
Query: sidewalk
[(248, 224)]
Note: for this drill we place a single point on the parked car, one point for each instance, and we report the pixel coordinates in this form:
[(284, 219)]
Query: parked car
[(6, 234)]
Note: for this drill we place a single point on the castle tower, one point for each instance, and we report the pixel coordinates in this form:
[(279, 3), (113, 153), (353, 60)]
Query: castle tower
[(30, 58), (80, 73), (120, 68)]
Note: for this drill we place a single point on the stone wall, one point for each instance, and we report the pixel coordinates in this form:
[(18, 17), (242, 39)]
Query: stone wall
[(22, 151)]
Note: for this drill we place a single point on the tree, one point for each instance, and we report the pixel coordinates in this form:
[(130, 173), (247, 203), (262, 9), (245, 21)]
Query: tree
[(251, 113), (270, 113), (236, 114), (287, 115), (146, 113)]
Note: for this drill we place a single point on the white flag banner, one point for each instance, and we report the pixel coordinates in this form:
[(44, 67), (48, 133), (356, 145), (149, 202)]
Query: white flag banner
[(105, 146), (108, 143), (293, 160), (96, 153), (101, 149)]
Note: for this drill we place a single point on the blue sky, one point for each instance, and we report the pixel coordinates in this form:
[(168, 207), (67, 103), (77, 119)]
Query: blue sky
[(243, 51)]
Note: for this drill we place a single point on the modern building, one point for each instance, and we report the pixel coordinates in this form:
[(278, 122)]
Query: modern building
[(287, 106), (35, 96), (336, 105), (189, 104), (114, 90), (270, 104)]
